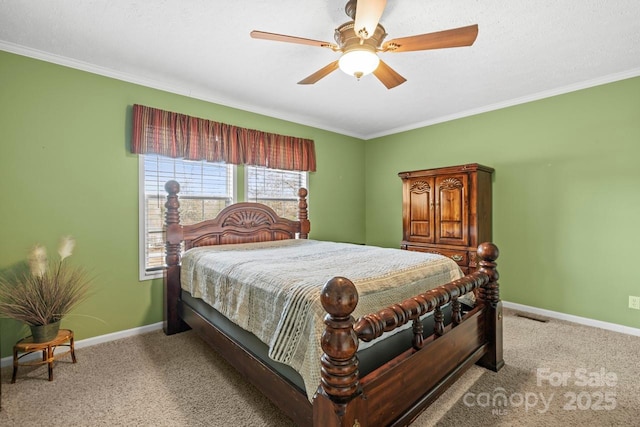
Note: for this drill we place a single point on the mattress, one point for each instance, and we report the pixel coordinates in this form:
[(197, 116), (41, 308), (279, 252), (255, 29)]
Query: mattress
[(271, 289)]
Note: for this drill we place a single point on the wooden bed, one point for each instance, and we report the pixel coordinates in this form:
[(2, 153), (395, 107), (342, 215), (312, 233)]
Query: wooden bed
[(393, 394)]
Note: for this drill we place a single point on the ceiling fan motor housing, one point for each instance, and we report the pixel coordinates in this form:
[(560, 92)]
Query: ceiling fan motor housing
[(347, 39)]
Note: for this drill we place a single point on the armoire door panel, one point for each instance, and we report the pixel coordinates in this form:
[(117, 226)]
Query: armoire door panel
[(421, 229), (452, 213), (421, 214), (451, 230)]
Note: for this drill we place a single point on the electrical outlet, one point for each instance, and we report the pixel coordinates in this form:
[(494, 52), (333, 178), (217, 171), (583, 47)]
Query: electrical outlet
[(634, 302)]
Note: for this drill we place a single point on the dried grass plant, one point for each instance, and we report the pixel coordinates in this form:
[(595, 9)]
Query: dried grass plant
[(48, 291)]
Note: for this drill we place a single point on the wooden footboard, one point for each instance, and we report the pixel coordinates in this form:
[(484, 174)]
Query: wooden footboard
[(393, 394), (398, 391)]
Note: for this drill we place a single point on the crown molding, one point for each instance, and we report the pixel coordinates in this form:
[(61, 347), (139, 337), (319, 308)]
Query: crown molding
[(611, 78)]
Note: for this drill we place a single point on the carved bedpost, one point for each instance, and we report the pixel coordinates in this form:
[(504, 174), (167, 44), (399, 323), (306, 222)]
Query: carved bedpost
[(338, 400), (303, 215), (490, 294), (172, 322)]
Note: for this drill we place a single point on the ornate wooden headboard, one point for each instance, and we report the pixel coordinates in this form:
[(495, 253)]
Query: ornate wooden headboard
[(244, 222)]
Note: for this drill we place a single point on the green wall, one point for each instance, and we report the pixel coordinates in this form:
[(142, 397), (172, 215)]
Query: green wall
[(566, 198), (65, 169)]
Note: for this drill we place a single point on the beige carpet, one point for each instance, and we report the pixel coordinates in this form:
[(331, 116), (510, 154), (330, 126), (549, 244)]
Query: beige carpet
[(553, 377)]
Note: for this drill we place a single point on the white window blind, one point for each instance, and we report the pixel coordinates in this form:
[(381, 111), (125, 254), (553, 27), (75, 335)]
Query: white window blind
[(205, 189), (275, 188)]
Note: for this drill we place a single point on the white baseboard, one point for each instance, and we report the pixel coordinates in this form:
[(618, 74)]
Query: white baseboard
[(571, 318), (8, 361)]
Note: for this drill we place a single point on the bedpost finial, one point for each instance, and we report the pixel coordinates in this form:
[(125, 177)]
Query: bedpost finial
[(339, 297), (172, 187), (488, 251), (302, 192)]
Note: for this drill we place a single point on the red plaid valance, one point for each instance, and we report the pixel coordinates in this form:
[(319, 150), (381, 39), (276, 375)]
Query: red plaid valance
[(181, 136)]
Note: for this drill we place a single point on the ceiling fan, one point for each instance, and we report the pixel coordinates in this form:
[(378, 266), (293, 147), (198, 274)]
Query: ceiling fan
[(360, 40)]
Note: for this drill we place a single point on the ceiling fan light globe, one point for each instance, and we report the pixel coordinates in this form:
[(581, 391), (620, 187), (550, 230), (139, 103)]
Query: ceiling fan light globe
[(358, 62)]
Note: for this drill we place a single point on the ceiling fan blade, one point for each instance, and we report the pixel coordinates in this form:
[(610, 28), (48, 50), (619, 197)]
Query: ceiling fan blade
[(322, 72), (456, 37), (291, 39), (368, 14), (388, 76)]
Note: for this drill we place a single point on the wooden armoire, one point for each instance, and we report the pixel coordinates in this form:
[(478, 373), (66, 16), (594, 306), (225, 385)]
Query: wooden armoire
[(447, 211)]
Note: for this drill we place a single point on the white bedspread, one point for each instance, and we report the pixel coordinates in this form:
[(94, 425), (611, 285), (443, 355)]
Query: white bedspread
[(272, 289)]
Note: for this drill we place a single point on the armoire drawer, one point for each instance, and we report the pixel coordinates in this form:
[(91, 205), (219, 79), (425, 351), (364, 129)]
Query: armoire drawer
[(460, 257)]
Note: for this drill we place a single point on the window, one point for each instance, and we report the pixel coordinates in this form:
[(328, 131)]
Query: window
[(275, 188), (205, 189)]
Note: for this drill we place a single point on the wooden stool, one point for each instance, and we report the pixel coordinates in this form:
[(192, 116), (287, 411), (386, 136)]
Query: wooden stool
[(27, 346)]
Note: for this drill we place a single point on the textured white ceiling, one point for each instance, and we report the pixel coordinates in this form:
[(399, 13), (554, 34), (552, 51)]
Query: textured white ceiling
[(525, 50)]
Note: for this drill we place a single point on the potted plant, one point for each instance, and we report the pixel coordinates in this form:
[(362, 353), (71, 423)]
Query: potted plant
[(42, 295)]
